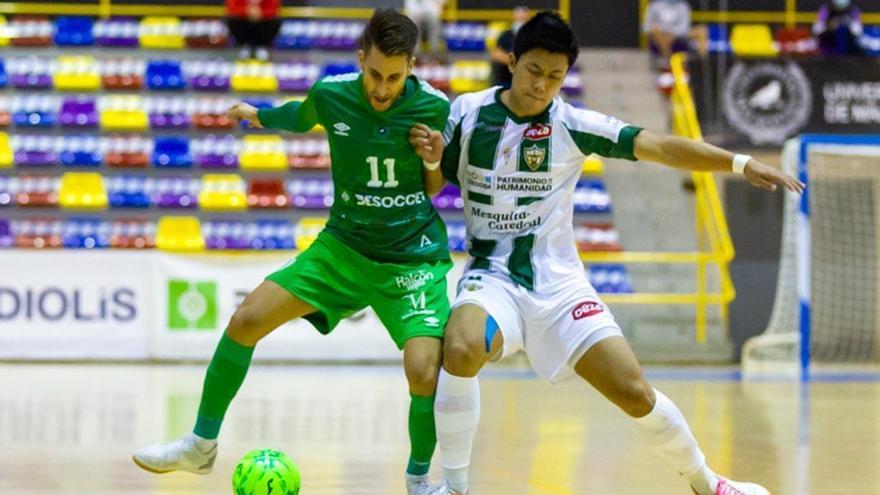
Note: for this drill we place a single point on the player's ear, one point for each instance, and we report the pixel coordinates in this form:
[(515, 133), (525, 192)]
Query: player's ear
[(410, 65), (362, 58), (511, 62)]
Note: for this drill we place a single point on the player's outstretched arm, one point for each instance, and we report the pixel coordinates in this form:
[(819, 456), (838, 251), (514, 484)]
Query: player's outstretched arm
[(690, 154), (429, 145), (243, 111)]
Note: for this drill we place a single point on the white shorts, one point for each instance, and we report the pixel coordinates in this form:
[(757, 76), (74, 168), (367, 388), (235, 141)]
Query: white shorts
[(554, 328)]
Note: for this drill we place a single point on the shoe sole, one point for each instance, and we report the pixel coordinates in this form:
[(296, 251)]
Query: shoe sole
[(158, 471)]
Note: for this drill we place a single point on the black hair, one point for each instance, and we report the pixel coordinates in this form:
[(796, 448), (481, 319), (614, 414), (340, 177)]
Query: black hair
[(549, 31), (391, 32)]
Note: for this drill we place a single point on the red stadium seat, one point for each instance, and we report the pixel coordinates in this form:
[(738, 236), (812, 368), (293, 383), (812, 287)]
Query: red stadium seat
[(796, 40), (267, 193), (127, 159)]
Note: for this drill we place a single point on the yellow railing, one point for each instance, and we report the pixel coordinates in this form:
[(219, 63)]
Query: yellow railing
[(714, 246), (106, 8)]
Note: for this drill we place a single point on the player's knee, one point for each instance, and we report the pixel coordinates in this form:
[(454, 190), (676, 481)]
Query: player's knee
[(245, 326), (636, 398), (463, 356), (423, 379)]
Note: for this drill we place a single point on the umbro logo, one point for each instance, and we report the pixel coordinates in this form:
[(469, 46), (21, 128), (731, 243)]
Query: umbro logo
[(341, 129)]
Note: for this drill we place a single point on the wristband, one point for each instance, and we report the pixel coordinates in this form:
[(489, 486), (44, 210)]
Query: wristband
[(739, 163), (432, 166)]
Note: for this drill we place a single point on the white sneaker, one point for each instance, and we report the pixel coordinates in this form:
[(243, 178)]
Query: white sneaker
[(728, 487), (179, 455), (436, 490)]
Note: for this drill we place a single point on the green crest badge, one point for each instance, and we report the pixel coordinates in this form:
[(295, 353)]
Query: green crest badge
[(534, 156)]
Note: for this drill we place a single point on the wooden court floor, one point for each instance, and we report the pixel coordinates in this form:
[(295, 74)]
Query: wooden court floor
[(70, 429)]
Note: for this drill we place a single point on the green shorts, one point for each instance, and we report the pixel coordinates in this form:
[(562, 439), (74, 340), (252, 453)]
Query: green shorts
[(409, 298)]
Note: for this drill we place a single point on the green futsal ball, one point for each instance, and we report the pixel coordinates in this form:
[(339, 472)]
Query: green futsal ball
[(265, 472)]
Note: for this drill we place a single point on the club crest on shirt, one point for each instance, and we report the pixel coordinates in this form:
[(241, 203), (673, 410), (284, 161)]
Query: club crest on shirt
[(534, 156), (538, 131)]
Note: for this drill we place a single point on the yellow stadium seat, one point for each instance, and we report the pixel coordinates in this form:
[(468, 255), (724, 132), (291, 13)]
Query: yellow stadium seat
[(77, 73), (593, 165), (307, 231), (263, 153), (253, 76), (180, 234), (4, 33), (223, 192), (82, 190), (6, 157), (161, 33), (470, 75), (753, 40), (124, 120)]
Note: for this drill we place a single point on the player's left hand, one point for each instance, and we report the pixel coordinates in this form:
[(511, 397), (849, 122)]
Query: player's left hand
[(767, 177), (427, 142)]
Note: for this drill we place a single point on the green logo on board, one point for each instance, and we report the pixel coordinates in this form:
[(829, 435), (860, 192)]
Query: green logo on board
[(192, 305)]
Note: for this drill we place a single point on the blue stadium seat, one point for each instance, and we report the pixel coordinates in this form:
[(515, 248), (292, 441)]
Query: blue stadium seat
[(610, 279), (172, 152), (74, 31), (80, 151), (4, 78), (85, 233), (337, 68), (590, 196), (128, 192), (273, 234), (294, 35), (456, 231), (165, 75), (719, 38)]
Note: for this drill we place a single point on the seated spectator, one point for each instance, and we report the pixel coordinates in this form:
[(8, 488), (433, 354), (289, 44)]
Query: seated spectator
[(668, 26), (254, 25), (501, 75), (838, 28)]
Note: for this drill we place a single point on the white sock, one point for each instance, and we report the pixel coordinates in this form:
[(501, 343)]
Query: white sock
[(668, 431), (457, 413)]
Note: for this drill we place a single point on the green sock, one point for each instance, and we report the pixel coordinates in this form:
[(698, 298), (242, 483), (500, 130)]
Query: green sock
[(422, 434), (224, 377)]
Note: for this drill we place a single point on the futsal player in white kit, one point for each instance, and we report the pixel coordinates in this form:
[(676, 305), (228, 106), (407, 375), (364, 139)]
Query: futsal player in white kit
[(516, 155)]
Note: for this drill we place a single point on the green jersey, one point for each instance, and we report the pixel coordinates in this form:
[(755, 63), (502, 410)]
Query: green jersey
[(380, 206)]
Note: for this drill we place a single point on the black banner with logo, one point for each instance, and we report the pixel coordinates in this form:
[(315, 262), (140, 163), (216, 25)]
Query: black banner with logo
[(763, 102)]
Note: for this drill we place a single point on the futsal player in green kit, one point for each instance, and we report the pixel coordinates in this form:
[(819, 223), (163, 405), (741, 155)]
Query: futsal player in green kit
[(384, 245)]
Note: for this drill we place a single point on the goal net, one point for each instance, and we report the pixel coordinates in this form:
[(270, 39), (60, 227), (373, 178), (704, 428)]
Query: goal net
[(827, 305)]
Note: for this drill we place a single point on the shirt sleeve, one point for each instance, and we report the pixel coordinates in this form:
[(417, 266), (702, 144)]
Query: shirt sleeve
[(293, 116), (452, 137), (593, 132)]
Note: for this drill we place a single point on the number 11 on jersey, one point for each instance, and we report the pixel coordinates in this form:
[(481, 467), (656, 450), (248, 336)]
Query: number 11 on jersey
[(374, 172)]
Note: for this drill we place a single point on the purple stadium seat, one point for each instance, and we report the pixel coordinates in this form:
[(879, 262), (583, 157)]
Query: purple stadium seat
[(176, 192), (311, 193), (119, 32), (449, 198), (7, 239), (78, 112)]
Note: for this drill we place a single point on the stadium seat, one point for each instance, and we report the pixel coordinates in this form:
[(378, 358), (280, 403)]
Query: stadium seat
[(210, 114), (272, 234), (37, 234), (171, 152), (205, 33), (294, 35), (308, 153), (870, 41), (470, 75), (223, 192), (593, 165), (161, 33), (307, 231), (167, 113), (296, 77), (8, 189), (449, 198), (215, 152), (573, 84), (77, 73), (74, 31), (590, 196), (226, 235), (122, 75), (130, 152), (4, 77), (311, 193), (37, 191), (335, 35), (468, 37), (128, 192), (267, 194), (165, 75), (82, 190), (253, 76), (6, 156), (613, 279), (120, 32), (260, 152), (175, 192), (4, 32), (78, 112), (597, 237), (123, 113), (456, 232), (180, 234), (81, 152), (34, 151), (31, 31), (210, 75), (437, 75), (753, 40), (34, 111), (7, 239), (85, 233), (132, 234), (338, 68), (30, 73), (719, 38), (796, 40)]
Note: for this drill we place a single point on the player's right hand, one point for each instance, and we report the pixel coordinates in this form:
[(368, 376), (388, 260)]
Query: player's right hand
[(243, 111)]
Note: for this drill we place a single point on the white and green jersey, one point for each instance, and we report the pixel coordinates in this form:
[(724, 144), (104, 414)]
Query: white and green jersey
[(517, 177)]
